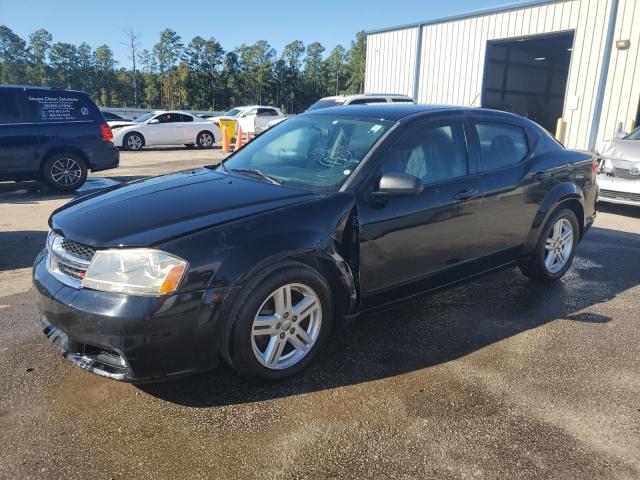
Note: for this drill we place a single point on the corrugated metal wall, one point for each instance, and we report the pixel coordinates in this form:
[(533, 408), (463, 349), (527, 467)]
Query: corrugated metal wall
[(453, 59), (623, 83)]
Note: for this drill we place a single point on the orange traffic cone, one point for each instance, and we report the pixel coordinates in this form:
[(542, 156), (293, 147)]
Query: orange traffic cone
[(239, 139), (226, 144)]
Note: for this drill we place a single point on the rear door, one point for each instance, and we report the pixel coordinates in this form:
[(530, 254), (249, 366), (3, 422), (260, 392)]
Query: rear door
[(188, 130), (19, 133), (511, 190), (407, 239)]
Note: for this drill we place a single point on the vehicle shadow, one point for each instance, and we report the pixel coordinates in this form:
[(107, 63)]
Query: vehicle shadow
[(19, 249), (170, 148), (438, 328)]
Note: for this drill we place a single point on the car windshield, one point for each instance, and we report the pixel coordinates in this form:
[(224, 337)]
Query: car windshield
[(325, 104), (312, 151), (145, 117), (635, 135), (232, 113)]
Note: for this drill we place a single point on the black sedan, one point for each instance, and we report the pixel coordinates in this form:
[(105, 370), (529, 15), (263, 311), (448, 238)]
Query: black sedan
[(327, 216)]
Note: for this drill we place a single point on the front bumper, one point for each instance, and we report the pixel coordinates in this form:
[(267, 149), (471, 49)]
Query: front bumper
[(619, 190), (129, 338)]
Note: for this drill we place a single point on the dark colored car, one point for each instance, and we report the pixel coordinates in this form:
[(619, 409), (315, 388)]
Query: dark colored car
[(327, 216), (53, 135), (109, 116)]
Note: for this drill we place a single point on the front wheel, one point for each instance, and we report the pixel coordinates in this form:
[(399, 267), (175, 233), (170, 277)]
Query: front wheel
[(133, 142), (205, 140), (281, 319), (555, 250), (65, 172)]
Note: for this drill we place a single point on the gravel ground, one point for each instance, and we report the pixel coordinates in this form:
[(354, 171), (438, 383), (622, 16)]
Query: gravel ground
[(497, 378)]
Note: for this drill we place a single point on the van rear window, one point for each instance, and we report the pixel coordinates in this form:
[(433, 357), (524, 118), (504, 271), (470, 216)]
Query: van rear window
[(57, 107)]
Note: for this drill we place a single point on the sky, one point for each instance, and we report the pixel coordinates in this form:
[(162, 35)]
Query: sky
[(329, 22)]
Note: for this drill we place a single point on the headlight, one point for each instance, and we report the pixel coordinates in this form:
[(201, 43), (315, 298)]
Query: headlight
[(138, 271)]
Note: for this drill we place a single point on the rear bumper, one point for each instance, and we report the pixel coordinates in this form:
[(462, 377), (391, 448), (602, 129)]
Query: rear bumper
[(104, 158), (128, 338)]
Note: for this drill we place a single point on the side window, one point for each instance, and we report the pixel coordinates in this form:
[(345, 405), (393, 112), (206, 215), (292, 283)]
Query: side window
[(9, 110), (186, 118), (402, 100), (266, 112), (168, 118), (501, 144), (46, 106), (365, 101), (249, 113), (432, 153)]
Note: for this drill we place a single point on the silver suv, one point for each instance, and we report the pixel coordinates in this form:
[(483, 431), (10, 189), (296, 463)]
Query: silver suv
[(360, 99)]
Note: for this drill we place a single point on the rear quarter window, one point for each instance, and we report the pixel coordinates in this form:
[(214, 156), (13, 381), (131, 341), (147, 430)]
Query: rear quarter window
[(59, 107)]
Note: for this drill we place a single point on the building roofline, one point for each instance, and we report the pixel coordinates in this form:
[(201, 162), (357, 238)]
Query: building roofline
[(462, 16)]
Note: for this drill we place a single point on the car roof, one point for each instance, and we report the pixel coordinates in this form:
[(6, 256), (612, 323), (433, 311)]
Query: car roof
[(34, 87), (366, 95), (395, 112)]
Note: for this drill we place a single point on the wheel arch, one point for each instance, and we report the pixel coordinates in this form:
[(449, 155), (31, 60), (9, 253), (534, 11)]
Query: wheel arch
[(124, 137), (565, 195), (63, 149)]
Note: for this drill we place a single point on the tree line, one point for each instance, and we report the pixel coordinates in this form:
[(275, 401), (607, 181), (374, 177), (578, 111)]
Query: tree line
[(199, 75)]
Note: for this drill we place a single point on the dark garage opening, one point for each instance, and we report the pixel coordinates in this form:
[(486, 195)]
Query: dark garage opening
[(528, 76)]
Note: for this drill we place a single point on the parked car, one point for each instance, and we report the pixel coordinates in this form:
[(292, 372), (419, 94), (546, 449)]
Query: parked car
[(335, 213), (359, 99), (110, 117), (53, 135), (619, 175), (166, 128), (252, 118)]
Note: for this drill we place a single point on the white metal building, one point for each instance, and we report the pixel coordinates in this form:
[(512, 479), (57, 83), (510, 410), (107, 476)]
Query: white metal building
[(548, 59)]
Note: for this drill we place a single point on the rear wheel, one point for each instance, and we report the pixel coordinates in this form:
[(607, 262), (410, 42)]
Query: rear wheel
[(133, 141), (205, 140), (65, 172), (281, 319), (555, 250)]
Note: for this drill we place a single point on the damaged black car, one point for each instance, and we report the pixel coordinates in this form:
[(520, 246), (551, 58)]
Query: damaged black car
[(322, 218)]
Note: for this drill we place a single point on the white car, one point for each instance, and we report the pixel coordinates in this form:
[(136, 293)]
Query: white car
[(358, 99), (166, 128), (251, 118), (619, 173)]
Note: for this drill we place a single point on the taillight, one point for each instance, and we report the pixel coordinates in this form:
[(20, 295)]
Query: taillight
[(594, 166), (107, 134)]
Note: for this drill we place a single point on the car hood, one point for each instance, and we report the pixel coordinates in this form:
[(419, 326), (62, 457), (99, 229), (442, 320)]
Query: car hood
[(153, 210), (621, 150)]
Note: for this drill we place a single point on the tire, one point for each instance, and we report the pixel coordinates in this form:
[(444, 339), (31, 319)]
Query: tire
[(283, 327), (133, 141), (205, 139), (65, 172), (552, 256)]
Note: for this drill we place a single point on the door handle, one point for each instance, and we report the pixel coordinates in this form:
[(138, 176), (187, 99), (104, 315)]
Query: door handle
[(541, 176), (467, 194)]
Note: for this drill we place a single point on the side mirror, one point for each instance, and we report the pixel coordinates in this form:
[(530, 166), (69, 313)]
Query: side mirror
[(154, 121), (620, 135), (398, 185)]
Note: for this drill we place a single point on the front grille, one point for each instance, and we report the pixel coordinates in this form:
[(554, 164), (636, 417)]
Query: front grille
[(77, 249), (625, 174), (614, 195), (69, 260)]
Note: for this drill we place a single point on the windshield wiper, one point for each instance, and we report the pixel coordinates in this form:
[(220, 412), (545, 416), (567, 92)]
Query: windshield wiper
[(254, 171)]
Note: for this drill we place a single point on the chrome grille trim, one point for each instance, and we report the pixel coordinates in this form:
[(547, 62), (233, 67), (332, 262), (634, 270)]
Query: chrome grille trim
[(68, 260), (624, 173)]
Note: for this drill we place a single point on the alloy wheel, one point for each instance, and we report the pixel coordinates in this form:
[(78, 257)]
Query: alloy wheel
[(66, 172), (559, 245), (286, 326), (206, 140), (134, 142)]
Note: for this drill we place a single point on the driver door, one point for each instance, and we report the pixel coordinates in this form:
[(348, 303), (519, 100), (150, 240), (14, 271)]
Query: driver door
[(415, 241), (165, 132)]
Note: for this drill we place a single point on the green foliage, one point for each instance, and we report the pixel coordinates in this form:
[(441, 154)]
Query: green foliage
[(199, 76)]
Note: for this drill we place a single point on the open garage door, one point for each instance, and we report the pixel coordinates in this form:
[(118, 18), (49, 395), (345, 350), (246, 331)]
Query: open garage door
[(528, 76)]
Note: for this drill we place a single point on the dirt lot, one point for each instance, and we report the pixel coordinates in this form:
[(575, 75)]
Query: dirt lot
[(498, 378)]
